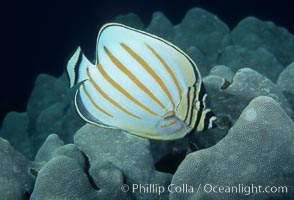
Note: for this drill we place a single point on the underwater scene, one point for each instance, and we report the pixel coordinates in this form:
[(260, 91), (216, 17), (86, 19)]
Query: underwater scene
[(163, 110)]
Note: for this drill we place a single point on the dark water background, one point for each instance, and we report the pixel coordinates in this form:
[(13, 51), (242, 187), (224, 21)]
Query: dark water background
[(39, 36)]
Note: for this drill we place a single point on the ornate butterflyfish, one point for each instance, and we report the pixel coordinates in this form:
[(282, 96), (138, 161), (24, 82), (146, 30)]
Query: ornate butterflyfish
[(141, 84)]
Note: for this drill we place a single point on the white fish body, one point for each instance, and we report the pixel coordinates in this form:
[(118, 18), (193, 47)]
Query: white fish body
[(141, 84)]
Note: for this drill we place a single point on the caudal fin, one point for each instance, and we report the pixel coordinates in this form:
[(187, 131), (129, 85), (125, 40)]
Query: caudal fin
[(76, 67)]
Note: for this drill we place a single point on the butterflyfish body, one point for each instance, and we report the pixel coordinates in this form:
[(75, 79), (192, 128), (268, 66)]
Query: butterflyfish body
[(141, 84)]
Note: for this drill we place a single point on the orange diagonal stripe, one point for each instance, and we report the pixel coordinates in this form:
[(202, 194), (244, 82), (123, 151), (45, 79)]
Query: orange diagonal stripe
[(93, 102), (122, 90), (109, 98), (132, 77), (147, 67), (169, 124), (167, 67)]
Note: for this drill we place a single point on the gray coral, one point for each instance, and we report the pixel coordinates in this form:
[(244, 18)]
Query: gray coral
[(16, 181), (257, 150)]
